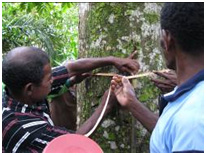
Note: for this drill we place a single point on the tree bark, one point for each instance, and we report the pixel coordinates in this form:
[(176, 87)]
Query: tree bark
[(117, 29)]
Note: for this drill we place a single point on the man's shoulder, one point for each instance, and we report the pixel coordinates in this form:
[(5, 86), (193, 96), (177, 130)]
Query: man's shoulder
[(187, 112), (6, 113), (9, 115), (192, 106), (196, 96), (190, 114), (193, 98), (199, 86)]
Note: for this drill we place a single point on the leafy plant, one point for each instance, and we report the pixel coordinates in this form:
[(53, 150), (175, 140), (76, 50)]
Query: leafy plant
[(52, 27)]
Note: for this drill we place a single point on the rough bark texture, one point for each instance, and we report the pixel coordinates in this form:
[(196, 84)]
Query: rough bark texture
[(117, 29)]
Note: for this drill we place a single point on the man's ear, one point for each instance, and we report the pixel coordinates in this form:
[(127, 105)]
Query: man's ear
[(28, 89), (168, 40)]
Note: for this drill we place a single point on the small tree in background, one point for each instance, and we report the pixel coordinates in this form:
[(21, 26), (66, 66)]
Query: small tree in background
[(52, 27)]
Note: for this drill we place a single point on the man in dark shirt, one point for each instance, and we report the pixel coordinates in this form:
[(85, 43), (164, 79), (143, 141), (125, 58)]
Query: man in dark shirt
[(27, 74)]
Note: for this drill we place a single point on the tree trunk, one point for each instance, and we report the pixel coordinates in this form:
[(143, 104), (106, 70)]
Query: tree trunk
[(117, 29)]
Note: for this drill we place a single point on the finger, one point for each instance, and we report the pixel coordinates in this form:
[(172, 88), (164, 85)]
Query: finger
[(171, 72), (113, 87), (133, 55), (126, 69), (134, 68), (116, 88), (114, 82), (162, 86), (126, 82), (162, 74), (131, 70), (118, 91), (157, 81), (165, 89), (117, 79)]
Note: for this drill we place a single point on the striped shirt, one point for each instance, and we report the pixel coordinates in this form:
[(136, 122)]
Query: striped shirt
[(28, 128)]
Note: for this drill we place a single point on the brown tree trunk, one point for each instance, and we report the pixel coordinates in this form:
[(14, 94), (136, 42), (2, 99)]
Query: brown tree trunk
[(117, 29)]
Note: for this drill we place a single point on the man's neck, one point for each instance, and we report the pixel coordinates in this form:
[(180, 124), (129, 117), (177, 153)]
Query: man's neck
[(20, 99), (187, 67)]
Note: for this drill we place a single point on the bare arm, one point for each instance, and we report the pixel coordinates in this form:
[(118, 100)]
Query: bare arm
[(126, 97), (87, 126), (88, 64), (147, 118)]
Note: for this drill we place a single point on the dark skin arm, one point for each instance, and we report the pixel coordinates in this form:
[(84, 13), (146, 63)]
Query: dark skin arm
[(168, 82), (126, 97), (78, 71), (88, 64), (87, 126)]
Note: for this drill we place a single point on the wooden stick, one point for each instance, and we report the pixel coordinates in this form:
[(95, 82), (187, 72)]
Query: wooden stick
[(128, 77), (105, 74), (139, 75)]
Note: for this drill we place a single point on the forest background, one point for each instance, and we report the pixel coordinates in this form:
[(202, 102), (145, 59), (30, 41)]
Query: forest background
[(68, 31)]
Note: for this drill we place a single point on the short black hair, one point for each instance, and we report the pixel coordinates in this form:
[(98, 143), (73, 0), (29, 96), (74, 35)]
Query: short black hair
[(26, 68), (185, 22)]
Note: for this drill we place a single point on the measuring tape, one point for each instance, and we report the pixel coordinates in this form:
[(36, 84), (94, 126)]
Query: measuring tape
[(101, 115), (109, 93), (129, 77)]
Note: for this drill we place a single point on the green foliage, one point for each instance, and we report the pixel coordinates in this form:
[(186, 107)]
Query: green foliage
[(117, 29), (52, 27), (117, 23), (112, 136), (151, 17)]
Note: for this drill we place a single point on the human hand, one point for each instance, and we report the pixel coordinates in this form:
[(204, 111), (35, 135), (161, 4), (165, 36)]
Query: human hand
[(168, 83), (127, 64), (124, 91)]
